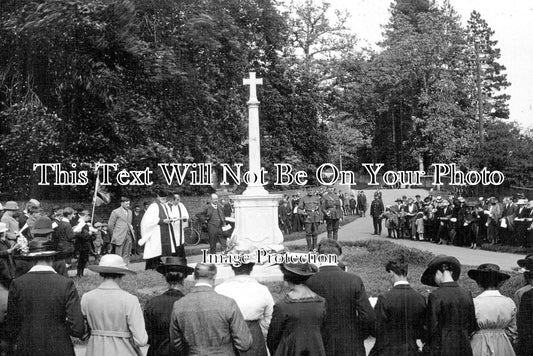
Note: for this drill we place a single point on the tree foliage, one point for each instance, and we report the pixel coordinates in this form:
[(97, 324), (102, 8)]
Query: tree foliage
[(138, 82)]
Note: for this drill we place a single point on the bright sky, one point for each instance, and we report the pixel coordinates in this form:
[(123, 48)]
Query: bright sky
[(511, 20)]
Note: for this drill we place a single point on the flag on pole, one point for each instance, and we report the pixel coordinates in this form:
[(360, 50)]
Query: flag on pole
[(101, 196)]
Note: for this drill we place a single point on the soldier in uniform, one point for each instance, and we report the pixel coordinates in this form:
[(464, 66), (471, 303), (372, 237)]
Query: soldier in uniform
[(331, 209), (309, 208)]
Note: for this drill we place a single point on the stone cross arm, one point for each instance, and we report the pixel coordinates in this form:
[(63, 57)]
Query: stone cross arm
[(252, 82)]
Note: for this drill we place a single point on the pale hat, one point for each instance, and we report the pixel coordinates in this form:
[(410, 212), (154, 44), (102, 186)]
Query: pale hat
[(34, 202), (11, 205), (111, 263)]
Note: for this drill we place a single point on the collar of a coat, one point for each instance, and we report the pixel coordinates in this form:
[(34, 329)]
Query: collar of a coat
[(109, 284), (330, 268), (200, 289), (174, 293), (449, 284)]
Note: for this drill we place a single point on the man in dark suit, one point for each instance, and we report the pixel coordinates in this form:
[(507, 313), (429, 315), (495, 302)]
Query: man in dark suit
[(349, 317), (121, 229), (400, 314), (43, 307), (136, 219), (206, 322), (213, 216), (332, 212)]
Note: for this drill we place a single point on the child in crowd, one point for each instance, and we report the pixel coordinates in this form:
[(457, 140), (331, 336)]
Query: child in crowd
[(419, 223), (391, 222)]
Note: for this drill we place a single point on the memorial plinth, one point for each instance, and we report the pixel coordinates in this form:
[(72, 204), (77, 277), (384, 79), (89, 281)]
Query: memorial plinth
[(256, 221), (256, 211)]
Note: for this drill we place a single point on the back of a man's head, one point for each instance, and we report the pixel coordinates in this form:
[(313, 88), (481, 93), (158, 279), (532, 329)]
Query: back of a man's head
[(205, 271), (329, 247), (398, 266)]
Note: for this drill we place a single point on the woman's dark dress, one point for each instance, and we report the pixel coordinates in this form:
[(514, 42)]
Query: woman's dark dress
[(157, 314), (296, 327)]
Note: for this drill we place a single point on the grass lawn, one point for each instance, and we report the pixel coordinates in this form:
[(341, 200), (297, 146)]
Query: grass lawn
[(364, 258), (520, 250)]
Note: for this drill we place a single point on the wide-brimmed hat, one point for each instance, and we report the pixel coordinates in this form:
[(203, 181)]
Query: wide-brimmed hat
[(526, 262), (428, 277), (3, 227), (40, 247), (111, 263), (298, 269), (11, 205), (174, 264), (488, 272), (42, 225)]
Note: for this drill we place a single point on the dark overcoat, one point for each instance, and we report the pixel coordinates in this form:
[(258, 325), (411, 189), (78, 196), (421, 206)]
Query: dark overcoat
[(43, 311), (296, 327), (525, 325), (451, 319), (157, 314), (350, 317), (400, 318)]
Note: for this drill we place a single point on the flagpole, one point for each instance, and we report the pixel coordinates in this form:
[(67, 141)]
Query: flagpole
[(95, 195)]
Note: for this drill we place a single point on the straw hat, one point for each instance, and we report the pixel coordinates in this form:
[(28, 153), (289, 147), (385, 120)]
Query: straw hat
[(428, 277), (111, 263), (175, 264), (488, 272)]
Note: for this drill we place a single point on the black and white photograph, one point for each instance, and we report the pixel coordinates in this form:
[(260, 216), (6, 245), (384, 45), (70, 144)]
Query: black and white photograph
[(266, 178)]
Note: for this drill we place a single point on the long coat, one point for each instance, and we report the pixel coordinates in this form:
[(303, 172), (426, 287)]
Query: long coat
[(296, 327), (115, 319), (208, 323), (331, 206), (525, 325), (376, 208), (119, 225), (400, 315), (157, 318), (350, 317), (451, 319), (43, 312)]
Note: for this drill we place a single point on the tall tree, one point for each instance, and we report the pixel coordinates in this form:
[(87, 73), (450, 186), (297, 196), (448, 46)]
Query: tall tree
[(420, 73), (492, 73)]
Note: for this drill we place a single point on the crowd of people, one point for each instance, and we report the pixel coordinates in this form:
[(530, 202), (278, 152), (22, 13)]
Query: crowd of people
[(326, 311), (454, 220)]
